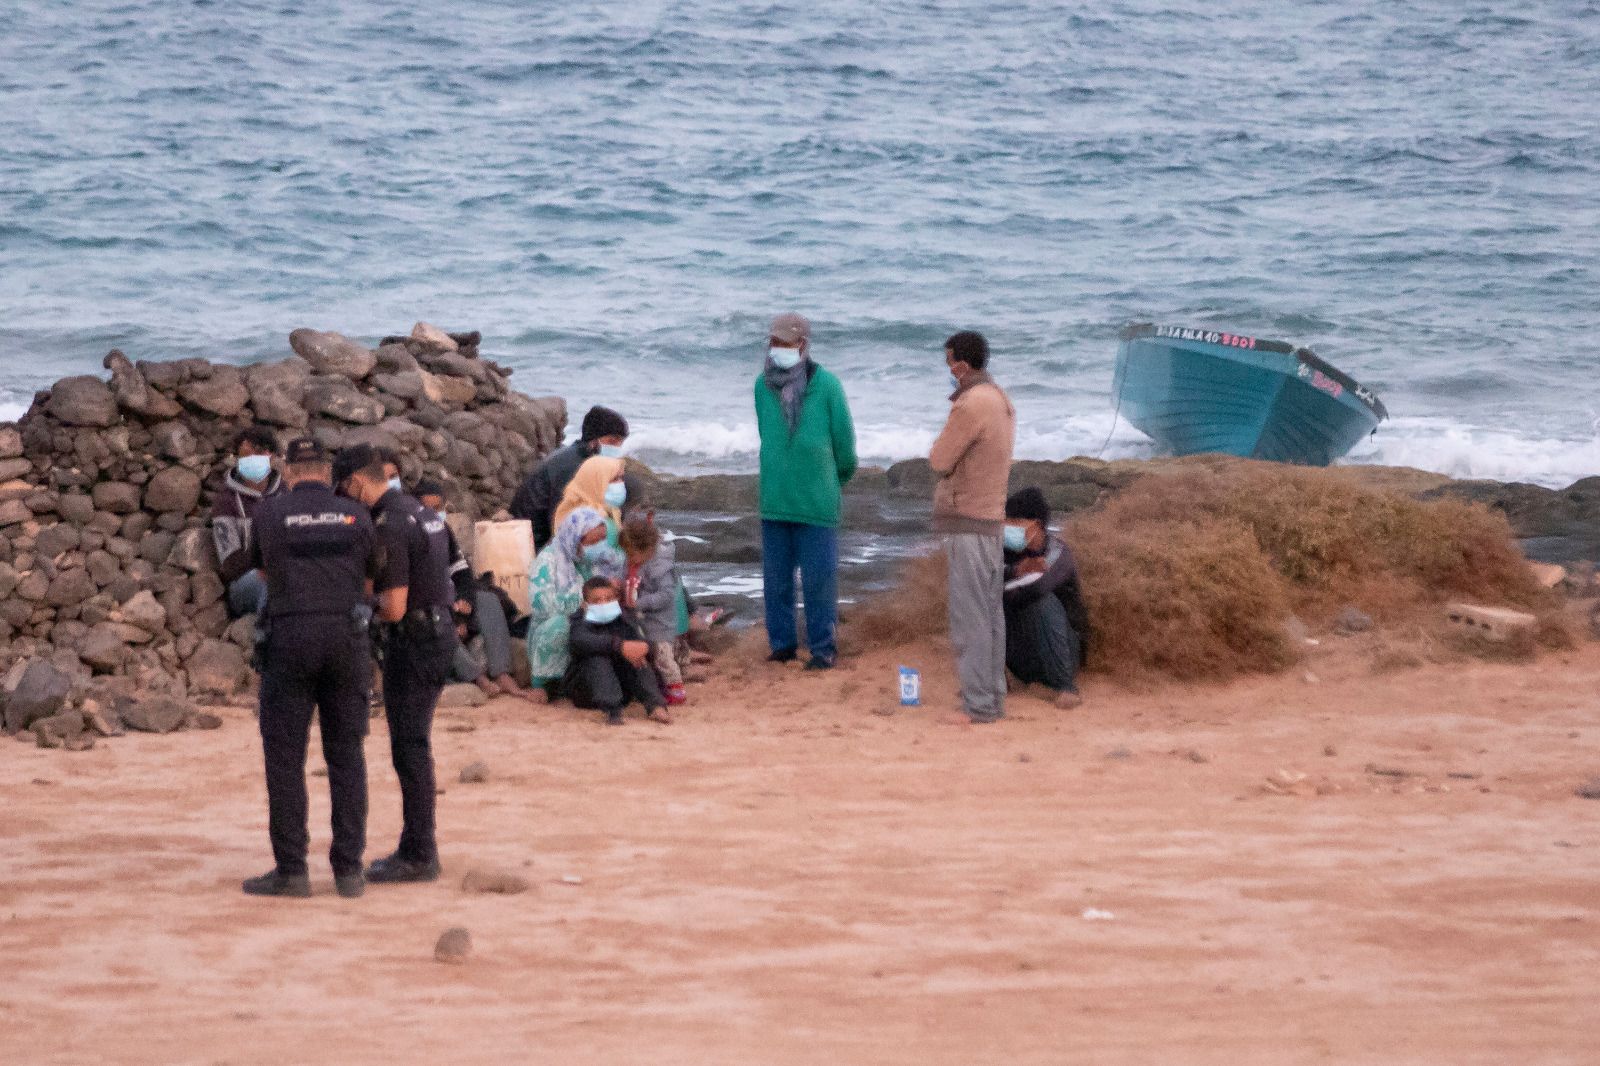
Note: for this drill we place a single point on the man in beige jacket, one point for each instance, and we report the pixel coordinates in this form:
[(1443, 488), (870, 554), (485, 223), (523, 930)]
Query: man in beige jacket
[(972, 459)]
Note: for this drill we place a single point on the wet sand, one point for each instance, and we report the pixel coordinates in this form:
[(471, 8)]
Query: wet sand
[(784, 876)]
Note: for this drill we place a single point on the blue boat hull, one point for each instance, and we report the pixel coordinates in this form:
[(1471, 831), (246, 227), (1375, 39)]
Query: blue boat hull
[(1194, 391)]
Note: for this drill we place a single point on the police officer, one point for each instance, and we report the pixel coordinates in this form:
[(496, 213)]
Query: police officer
[(414, 597), (318, 554)]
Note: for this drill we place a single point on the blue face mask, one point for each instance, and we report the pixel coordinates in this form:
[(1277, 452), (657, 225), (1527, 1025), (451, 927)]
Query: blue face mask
[(597, 551), (603, 613), (394, 483), (616, 494), (955, 382), (1016, 539), (254, 467), (785, 358), (611, 451)]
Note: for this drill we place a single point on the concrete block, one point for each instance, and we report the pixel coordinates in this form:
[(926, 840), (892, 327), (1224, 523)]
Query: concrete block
[(1498, 624)]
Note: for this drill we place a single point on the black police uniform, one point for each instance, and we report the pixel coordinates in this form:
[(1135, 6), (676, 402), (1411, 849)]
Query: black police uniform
[(417, 654), (317, 550)]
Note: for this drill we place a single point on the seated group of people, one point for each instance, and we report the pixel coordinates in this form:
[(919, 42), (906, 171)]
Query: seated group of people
[(608, 618)]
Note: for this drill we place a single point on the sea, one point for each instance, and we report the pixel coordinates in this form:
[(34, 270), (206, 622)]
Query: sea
[(620, 195)]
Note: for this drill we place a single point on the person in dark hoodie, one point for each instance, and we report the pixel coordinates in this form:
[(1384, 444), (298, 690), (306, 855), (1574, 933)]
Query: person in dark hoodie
[(610, 658), (1047, 624), (251, 480), (536, 500)]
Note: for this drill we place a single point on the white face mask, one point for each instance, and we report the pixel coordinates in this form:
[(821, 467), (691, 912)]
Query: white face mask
[(611, 451), (785, 358), (394, 483)]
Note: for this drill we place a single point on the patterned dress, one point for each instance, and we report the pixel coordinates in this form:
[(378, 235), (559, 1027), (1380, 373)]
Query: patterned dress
[(555, 592)]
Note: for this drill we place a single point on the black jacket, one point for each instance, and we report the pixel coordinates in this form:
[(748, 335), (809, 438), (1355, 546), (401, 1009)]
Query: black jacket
[(540, 493), (1060, 580)]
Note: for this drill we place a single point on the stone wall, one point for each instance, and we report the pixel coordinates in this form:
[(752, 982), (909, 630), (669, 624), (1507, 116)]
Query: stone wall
[(107, 572)]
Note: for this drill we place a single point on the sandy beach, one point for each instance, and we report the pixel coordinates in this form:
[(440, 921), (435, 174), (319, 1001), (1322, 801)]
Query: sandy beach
[(785, 876)]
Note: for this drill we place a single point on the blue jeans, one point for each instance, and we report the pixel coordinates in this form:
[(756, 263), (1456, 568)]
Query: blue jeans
[(814, 550)]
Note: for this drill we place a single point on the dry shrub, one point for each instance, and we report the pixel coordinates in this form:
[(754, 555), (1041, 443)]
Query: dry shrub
[(1188, 599), (916, 610), (1336, 543), (1194, 574)]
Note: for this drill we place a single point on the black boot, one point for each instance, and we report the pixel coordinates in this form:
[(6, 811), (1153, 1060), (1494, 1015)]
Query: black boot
[(350, 885), (614, 717), (395, 870), (273, 883)]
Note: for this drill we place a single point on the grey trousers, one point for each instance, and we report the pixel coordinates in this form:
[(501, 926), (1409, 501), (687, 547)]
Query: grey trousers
[(978, 622), (496, 641)]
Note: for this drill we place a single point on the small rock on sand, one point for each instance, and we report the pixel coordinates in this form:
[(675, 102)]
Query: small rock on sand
[(475, 773), (497, 882), (453, 946), (1590, 789)]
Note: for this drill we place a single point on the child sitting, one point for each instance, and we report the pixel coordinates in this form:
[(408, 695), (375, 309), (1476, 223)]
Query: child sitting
[(610, 665), (650, 591)]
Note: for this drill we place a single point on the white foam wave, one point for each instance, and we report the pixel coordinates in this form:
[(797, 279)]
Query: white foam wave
[(12, 409), (1446, 447), (1462, 451)]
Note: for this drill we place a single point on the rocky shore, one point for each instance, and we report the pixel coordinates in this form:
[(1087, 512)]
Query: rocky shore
[(887, 514), (112, 613)]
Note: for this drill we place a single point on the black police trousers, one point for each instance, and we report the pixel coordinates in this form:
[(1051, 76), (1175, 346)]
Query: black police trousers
[(413, 676), (315, 662)]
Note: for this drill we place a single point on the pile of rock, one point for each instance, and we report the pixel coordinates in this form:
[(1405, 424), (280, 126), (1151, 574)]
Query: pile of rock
[(108, 577)]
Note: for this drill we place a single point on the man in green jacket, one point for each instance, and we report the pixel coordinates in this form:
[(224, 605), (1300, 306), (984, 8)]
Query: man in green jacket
[(808, 453)]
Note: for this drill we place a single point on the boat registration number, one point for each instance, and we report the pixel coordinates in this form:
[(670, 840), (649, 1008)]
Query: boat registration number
[(1319, 380), (1231, 340)]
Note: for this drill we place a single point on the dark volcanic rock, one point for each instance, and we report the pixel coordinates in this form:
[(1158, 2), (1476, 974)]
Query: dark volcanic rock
[(115, 497), (155, 714), (277, 391), (338, 398), (333, 353), (174, 490), (40, 692), (222, 393), (83, 401), (133, 392), (1557, 525), (217, 668)]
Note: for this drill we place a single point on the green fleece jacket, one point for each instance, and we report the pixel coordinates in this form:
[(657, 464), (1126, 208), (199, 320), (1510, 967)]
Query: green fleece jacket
[(802, 472)]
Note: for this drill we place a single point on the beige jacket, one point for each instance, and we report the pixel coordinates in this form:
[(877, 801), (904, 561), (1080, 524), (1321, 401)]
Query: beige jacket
[(972, 459)]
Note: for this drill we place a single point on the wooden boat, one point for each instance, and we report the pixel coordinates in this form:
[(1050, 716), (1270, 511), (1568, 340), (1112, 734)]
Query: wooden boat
[(1200, 390)]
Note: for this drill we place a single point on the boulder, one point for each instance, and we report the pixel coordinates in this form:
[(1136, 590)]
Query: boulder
[(333, 353), (217, 667), (83, 401), (13, 512), (40, 691), (14, 469), (395, 358), (10, 442), (103, 648), (174, 440), (55, 731), (432, 338), (115, 497), (70, 587), (454, 393), (155, 714), (454, 946), (277, 391), (75, 507), (53, 540), (222, 393), (133, 392), (338, 398), (193, 551), (173, 490)]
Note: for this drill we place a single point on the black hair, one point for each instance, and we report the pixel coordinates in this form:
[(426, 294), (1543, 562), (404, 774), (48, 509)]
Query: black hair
[(970, 348), (357, 459), (258, 437), (388, 455), (1029, 505), (428, 487), (594, 584)]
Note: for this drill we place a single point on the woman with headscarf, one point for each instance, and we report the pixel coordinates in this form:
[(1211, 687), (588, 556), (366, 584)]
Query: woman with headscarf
[(599, 486), (808, 453), (555, 591)]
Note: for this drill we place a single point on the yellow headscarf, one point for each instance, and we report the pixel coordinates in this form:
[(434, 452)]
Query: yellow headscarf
[(588, 489)]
